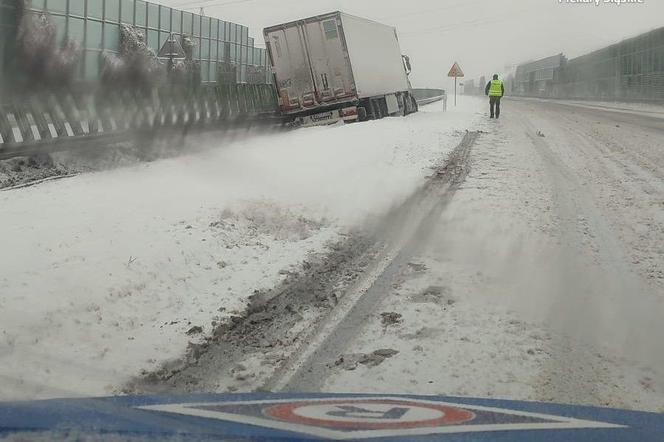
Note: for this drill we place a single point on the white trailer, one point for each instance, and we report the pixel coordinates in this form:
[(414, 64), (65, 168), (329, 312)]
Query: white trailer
[(338, 67)]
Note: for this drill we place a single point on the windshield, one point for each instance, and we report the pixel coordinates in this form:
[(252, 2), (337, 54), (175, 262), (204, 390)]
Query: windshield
[(462, 198)]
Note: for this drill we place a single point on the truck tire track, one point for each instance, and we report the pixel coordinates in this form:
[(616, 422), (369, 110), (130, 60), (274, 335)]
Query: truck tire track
[(314, 362)]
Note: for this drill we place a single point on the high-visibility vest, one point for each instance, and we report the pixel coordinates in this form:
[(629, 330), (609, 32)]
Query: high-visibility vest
[(496, 89)]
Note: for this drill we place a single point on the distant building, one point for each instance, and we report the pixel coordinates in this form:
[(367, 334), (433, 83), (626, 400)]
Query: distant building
[(632, 69), (538, 78)]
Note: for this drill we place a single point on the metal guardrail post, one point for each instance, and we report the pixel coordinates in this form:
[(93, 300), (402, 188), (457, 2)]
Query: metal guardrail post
[(216, 104), (40, 118), (241, 108), (208, 113), (221, 102), (32, 129), (59, 119), (235, 100), (5, 129), (73, 115), (19, 125)]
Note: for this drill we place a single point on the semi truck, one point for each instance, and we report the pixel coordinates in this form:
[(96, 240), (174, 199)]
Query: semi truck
[(338, 67)]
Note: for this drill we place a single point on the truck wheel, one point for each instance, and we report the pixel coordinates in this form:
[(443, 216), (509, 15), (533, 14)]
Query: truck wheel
[(403, 111), (361, 114), (382, 103), (415, 106)]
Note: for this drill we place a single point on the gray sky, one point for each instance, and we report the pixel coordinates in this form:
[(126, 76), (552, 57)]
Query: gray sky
[(482, 35)]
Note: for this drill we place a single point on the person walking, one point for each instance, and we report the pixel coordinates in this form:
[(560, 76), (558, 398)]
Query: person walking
[(495, 89)]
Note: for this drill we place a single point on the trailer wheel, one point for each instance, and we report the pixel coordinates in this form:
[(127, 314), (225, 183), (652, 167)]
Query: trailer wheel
[(382, 105), (375, 110), (361, 113)]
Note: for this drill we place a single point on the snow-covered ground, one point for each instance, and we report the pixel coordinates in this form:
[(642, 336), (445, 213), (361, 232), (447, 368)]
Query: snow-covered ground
[(106, 274)]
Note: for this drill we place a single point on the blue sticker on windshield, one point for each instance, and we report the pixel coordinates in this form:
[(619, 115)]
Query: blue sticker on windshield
[(371, 417), (317, 416)]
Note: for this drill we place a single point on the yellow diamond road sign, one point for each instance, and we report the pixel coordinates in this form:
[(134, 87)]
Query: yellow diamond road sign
[(455, 71)]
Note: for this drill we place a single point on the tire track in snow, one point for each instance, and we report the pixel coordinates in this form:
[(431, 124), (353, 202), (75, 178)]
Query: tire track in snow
[(313, 363)]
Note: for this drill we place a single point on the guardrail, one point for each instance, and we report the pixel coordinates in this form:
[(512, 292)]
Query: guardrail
[(50, 121), (428, 96)]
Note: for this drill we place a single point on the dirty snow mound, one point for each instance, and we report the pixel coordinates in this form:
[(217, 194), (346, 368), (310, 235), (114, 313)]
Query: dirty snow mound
[(22, 170), (267, 218)]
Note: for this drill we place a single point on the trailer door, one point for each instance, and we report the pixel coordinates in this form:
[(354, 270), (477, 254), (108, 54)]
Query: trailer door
[(291, 67), (330, 62)]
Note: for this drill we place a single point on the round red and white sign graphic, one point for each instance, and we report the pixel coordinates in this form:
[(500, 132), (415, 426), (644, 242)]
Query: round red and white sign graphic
[(367, 414)]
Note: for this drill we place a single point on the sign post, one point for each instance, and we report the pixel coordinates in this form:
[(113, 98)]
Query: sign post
[(455, 72)]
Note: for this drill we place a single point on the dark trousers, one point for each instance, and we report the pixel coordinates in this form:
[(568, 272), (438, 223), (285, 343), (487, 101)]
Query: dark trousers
[(494, 103)]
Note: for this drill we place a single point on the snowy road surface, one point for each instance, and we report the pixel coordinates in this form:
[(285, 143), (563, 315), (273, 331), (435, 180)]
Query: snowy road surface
[(540, 276), (544, 278)]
